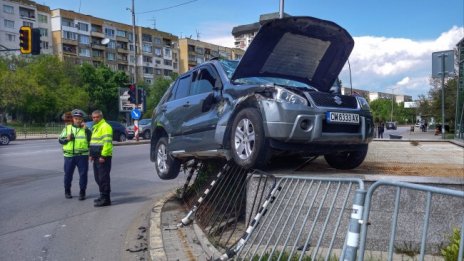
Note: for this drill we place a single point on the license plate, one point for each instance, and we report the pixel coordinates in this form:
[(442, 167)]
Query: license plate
[(341, 117)]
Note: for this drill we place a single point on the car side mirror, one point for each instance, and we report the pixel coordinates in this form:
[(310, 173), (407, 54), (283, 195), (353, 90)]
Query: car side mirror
[(217, 85)]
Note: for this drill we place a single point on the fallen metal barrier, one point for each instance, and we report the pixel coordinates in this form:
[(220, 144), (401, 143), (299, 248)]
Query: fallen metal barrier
[(220, 210), (303, 218), (410, 202)]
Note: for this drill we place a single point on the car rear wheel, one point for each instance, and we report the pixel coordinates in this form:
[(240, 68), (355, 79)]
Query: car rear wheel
[(166, 166), (4, 140), (122, 137), (146, 135), (248, 144), (347, 159)]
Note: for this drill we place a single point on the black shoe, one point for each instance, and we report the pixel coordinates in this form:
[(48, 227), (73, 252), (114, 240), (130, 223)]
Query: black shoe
[(102, 203), (67, 194), (82, 195), (98, 199)]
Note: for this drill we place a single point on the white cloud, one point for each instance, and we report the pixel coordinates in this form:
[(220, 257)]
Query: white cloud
[(381, 63), (217, 33)]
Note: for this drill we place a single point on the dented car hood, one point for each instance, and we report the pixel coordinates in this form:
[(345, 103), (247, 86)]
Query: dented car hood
[(303, 49)]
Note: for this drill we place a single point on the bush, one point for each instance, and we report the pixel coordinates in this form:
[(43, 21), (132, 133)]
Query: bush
[(450, 253)]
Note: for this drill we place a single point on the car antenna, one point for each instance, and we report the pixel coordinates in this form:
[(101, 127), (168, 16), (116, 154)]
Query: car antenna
[(351, 84)]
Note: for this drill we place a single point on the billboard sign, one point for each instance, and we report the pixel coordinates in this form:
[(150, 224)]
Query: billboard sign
[(411, 105)]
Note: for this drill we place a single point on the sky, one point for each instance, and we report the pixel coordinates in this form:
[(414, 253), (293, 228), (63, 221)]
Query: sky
[(394, 39)]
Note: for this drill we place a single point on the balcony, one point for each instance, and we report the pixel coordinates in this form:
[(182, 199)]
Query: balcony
[(98, 46), (122, 39), (121, 50), (69, 41), (97, 34)]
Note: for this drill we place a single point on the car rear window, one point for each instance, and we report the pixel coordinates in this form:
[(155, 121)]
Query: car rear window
[(183, 87)]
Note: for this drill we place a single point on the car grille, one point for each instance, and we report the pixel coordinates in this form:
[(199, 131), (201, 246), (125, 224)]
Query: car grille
[(329, 100), (336, 127)]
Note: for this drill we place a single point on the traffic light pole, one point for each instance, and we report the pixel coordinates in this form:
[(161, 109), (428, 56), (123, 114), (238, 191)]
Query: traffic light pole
[(136, 122)]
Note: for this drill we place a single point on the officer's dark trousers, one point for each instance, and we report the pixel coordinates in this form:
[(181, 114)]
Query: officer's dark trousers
[(102, 175), (70, 163)]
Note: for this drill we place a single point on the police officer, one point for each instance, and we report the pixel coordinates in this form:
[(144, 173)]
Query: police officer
[(75, 139), (101, 151)]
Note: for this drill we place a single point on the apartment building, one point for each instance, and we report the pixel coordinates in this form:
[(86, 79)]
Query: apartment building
[(194, 52), (83, 38), (244, 34), (15, 14), (383, 95)]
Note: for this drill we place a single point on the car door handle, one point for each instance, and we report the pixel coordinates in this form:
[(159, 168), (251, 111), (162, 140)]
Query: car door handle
[(187, 104)]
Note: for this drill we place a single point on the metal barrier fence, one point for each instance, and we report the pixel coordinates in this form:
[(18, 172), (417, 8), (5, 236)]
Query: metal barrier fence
[(303, 220), (220, 210), (416, 219), (45, 131)]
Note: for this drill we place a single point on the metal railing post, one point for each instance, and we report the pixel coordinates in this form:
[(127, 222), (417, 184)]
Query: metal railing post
[(354, 228)]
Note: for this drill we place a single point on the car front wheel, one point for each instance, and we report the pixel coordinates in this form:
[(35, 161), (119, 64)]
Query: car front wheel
[(166, 166), (248, 144), (347, 159), (4, 140), (146, 135)]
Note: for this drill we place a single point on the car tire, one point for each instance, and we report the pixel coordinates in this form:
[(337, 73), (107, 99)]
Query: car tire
[(122, 137), (166, 166), (347, 159), (247, 140), (4, 140), (146, 135)]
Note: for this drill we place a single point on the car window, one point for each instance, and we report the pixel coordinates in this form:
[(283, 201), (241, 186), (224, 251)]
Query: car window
[(183, 87), (204, 82), (169, 95), (145, 121)]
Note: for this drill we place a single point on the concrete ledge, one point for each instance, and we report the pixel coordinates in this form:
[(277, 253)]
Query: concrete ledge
[(156, 246)]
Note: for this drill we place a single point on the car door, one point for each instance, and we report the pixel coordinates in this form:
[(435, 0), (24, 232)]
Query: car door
[(198, 128), (175, 111)]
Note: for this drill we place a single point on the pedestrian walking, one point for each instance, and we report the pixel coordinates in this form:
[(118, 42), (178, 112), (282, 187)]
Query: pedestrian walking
[(101, 152), (75, 139), (381, 129)]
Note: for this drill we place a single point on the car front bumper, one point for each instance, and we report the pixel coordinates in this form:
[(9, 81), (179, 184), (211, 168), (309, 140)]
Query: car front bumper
[(293, 123)]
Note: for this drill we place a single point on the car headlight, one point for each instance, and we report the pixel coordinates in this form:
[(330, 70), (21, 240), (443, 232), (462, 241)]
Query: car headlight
[(284, 95), (363, 103)]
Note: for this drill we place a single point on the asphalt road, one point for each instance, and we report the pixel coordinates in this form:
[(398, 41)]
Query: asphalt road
[(38, 223)]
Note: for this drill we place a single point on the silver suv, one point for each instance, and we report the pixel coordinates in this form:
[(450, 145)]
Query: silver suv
[(277, 98)]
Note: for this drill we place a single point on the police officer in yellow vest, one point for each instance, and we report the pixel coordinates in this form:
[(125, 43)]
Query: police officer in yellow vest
[(101, 151), (75, 139)]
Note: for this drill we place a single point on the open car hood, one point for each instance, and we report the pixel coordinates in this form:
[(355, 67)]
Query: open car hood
[(303, 49)]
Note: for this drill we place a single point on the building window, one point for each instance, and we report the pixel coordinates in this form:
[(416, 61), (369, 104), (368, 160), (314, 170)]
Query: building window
[(44, 44), (11, 37), (147, 80), (158, 71), (148, 70), (167, 52), (84, 39), (174, 65), (97, 53), (132, 59), (96, 28), (158, 62), (8, 23), (83, 27), (43, 18), (112, 44), (26, 13), (67, 22), (69, 35), (109, 32), (157, 41), (147, 59), (8, 9), (121, 33), (167, 72), (147, 48), (110, 56), (168, 62), (69, 49), (158, 51), (43, 32), (30, 24), (146, 38), (84, 52)]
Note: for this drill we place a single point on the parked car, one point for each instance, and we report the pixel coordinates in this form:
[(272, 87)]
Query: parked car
[(144, 129), (119, 131), (390, 125), (7, 134), (276, 99)]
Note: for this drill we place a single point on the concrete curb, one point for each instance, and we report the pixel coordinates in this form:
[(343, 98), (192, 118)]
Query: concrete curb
[(156, 246), (209, 249)]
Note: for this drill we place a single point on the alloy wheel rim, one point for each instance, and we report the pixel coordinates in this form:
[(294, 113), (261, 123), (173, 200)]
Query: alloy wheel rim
[(244, 139), (162, 158), (3, 140)]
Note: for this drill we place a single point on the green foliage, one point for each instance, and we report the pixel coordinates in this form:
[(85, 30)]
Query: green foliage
[(451, 252), (156, 91), (382, 111), (434, 97), (407, 249)]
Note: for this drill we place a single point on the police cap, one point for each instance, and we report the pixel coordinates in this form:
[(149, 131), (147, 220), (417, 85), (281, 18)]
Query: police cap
[(77, 113)]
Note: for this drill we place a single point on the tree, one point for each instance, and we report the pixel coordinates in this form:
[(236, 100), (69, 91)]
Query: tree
[(435, 94), (156, 91)]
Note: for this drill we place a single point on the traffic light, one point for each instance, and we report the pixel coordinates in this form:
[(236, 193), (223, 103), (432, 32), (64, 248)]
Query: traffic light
[(29, 40), (139, 96), (131, 93), (25, 40)]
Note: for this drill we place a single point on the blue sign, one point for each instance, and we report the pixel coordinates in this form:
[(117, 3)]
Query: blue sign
[(136, 114)]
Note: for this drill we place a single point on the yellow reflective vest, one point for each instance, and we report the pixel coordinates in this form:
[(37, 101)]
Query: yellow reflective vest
[(77, 146), (101, 142)]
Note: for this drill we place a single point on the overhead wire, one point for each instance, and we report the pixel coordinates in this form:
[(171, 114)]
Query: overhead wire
[(169, 7)]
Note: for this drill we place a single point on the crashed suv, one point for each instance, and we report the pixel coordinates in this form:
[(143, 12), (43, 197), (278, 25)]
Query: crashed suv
[(277, 98)]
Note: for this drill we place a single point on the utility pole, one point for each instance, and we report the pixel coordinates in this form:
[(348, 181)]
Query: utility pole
[(442, 56), (281, 9), (136, 121)]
